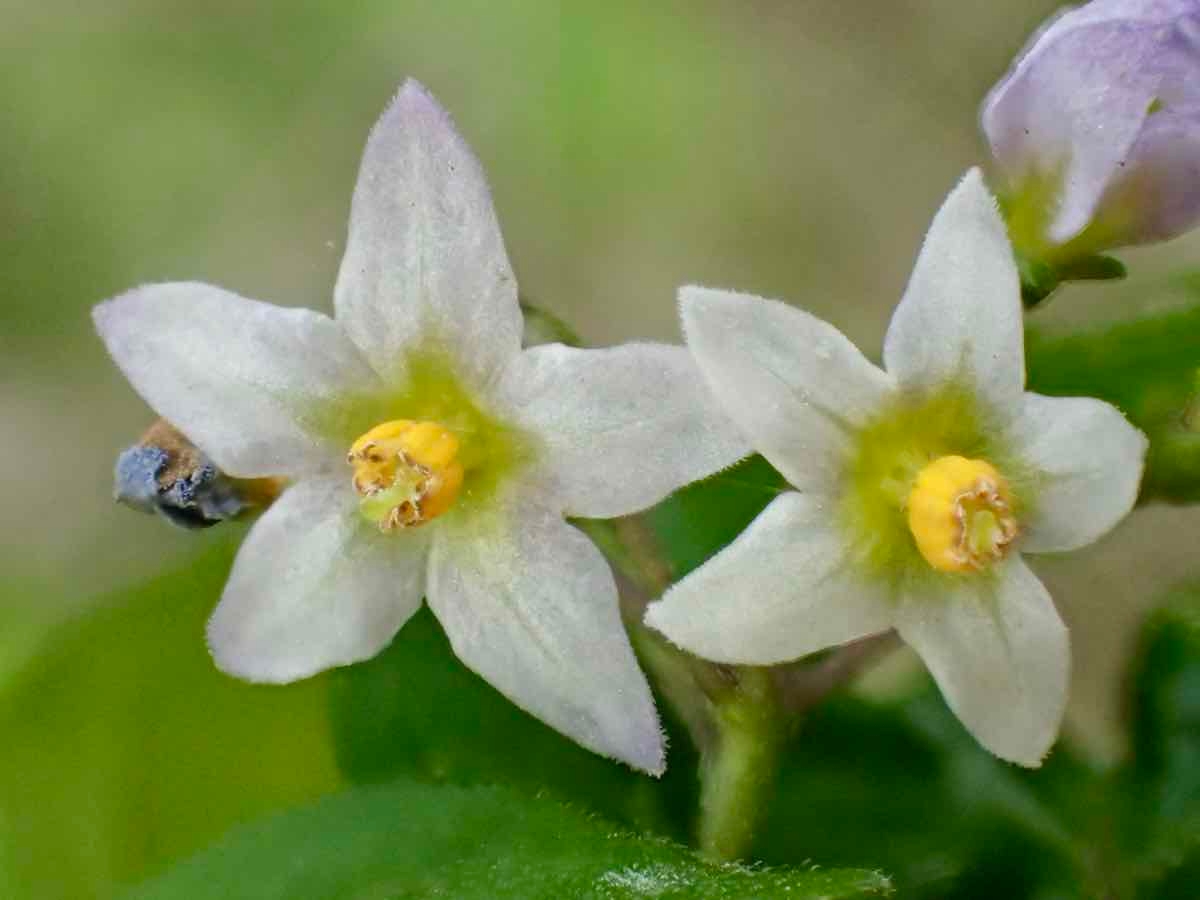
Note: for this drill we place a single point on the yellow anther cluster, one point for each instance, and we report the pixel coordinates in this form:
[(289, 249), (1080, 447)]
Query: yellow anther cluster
[(960, 514), (406, 472)]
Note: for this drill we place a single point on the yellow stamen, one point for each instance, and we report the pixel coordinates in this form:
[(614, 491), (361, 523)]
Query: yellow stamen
[(407, 473), (960, 514)]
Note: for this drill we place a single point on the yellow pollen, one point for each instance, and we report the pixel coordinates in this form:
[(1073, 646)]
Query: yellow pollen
[(407, 473), (960, 514)]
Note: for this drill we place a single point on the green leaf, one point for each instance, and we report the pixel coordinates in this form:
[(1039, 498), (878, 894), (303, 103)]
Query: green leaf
[(125, 749), (904, 786), (410, 839), (1162, 781), (416, 710), (1040, 279)]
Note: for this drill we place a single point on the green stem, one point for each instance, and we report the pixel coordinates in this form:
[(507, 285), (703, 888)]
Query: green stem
[(738, 717), (739, 770)]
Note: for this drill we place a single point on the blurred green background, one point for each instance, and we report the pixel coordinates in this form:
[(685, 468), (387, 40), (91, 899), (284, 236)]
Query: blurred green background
[(791, 149)]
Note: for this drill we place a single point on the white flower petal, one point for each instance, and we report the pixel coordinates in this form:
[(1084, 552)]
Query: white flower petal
[(238, 377), (1089, 463), (786, 587), (424, 257), (315, 586), (620, 428), (529, 603), (794, 384), (999, 652), (960, 318)]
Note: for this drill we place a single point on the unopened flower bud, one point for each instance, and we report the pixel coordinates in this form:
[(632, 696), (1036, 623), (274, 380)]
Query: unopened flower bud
[(1095, 130)]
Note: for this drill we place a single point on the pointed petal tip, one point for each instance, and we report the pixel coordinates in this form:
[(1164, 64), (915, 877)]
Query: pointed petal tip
[(416, 106), (108, 313), (972, 189), (663, 617), (413, 106), (973, 176), (654, 763), (690, 294), (648, 753), (234, 659), (1026, 760), (652, 618), (103, 315), (696, 302), (222, 649), (412, 94)]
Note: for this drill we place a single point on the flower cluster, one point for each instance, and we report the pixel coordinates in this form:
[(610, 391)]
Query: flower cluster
[(423, 455), (428, 455)]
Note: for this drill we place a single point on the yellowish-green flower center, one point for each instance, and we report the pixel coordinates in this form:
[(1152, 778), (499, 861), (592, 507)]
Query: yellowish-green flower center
[(902, 446), (960, 514), (407, 473), (406, 486), (1031, 205)]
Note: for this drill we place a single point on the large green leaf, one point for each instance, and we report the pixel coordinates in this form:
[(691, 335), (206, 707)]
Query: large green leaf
[(416, 710), (409, 840), (124, 748)]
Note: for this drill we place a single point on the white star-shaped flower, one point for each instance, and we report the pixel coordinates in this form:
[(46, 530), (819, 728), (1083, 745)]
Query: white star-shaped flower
[(427, 454), (914, 487)]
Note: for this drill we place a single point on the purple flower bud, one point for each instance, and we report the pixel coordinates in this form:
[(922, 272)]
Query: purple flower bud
[(1096, 128)]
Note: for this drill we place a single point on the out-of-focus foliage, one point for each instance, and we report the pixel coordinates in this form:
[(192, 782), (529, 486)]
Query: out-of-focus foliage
[(124, 748), (416, 711), (410, 839), (1149, 367), (1163, 782)]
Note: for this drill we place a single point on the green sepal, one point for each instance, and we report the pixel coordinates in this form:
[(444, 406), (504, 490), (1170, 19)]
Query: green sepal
[(543, 327), (1040, 278)]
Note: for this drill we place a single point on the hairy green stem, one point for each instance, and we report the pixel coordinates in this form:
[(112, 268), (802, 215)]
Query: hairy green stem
[(740, 767)]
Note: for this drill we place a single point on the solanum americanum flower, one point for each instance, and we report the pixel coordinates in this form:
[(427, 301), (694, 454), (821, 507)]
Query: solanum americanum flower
[(916, 486), (427, 454)]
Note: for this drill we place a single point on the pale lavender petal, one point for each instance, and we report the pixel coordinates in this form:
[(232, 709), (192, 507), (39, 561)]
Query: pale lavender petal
[(425, 263), (999, 652), (1157, 195), (619, 428), (315, 586), (960, 320), (529, 603), (786, 587), (795, 385), (1087, 461), (247, 382)]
